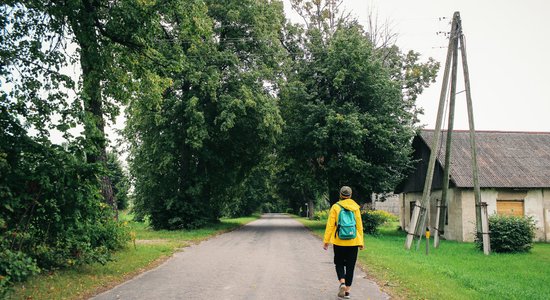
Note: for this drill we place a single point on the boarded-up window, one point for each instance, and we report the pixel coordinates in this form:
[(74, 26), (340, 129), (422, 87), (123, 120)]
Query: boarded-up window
[(510, 207)]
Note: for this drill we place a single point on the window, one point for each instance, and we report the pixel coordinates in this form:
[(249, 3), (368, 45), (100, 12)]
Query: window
[(510, 207)]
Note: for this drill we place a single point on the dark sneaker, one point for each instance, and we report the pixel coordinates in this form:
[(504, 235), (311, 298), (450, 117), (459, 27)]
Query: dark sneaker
[(342, 290), (347, 296)]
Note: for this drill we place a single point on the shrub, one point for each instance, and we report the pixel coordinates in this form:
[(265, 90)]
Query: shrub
[(509, 234), (51, 209), (15, 266), (321, 215), (374, 218)]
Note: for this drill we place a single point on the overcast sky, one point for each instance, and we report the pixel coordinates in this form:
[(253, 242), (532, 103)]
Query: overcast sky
[(507, 45)]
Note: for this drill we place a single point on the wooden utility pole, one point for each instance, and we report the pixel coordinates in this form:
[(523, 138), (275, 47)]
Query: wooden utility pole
[(482, 226), (442, 206), (418, 219), (419, 213)]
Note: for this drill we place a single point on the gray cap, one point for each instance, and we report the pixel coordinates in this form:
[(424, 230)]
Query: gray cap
[(345, 191)]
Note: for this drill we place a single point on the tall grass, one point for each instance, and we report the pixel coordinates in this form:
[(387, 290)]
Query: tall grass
[(453, 271)]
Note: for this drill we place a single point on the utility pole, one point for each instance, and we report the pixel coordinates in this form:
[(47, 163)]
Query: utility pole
[(442, 206), (418, 219), (419, 213), (482, 226)]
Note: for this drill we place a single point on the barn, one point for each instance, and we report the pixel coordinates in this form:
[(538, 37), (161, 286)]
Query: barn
[(514, 176)]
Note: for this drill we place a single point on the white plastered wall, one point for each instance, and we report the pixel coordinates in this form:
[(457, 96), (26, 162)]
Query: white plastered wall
[(546, 201), (534, 207), (468, 221)]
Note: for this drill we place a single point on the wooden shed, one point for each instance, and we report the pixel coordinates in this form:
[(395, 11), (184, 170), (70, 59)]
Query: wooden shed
[(514, 175)]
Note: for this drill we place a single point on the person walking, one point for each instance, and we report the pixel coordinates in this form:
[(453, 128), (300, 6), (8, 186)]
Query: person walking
[(346, 243)]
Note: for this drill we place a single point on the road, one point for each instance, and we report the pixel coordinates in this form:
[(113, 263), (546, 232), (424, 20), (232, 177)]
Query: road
[(274, 257)]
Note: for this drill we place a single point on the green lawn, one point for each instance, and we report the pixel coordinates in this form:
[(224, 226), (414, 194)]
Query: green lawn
[(152, 247), (454, 271)]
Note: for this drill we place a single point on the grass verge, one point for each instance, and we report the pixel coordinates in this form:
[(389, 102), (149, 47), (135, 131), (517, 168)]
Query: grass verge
[(454, 271), (151, 249)]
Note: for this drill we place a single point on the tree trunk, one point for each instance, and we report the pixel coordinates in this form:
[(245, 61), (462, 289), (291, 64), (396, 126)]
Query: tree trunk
[(311, 208), (91, 62)]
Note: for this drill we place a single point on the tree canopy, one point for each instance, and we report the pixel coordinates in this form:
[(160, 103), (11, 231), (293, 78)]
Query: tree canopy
[(57, 208), (348, 107), (204, 121)]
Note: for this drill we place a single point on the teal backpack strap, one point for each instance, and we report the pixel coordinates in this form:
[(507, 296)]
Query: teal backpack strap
[(338, 225)]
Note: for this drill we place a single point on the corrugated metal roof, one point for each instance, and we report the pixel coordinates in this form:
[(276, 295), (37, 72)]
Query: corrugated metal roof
[(505, 159)]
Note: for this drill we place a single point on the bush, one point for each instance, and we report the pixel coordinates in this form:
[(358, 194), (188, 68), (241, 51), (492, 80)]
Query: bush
[(509, 234), (51, 210), (374, 218), (15, 266), (321, 215)]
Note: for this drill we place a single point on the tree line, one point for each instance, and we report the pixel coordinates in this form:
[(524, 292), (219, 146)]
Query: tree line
[(230, 108)]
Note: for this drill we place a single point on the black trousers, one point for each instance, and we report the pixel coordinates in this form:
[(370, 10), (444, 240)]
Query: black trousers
[(344, 260)]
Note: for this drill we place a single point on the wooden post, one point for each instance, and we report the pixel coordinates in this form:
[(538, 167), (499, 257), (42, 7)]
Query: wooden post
[(437, 226), (485, 229), (413, 226), (440, 222), (475, 169)]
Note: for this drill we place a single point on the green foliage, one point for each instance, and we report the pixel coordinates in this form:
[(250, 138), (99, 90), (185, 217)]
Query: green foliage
[(321, 215), (348, 105), (15, 266), (40, 40), (206, 118), (510, 234), (410, 73), (373, 219), (51, 213), (257, 192), (345, 119), (120, 181), (31, 50)]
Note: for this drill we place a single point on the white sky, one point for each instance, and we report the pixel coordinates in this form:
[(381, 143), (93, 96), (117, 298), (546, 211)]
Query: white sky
[(507, 45)]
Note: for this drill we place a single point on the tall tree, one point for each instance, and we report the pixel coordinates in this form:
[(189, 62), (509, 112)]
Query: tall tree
[(51, 209), (38, 36), (348, 118), (207, 115)]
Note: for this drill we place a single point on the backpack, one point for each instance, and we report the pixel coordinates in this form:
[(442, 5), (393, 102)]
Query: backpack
[(346, 228)]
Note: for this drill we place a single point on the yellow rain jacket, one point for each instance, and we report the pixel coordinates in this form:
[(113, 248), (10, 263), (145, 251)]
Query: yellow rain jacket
[(332, 223)]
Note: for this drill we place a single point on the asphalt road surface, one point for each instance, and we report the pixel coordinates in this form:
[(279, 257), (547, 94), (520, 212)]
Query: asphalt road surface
[(274, 257)]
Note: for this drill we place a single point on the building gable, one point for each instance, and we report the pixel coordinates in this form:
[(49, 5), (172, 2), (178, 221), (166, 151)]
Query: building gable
[(505, 160)]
